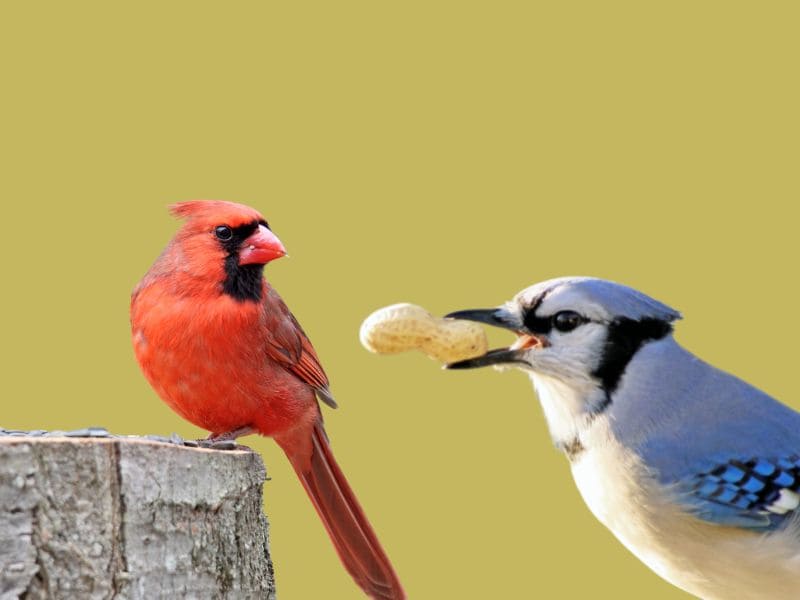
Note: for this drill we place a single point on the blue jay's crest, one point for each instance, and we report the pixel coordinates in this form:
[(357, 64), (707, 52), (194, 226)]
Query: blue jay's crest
[(616, 299), (757, 493)]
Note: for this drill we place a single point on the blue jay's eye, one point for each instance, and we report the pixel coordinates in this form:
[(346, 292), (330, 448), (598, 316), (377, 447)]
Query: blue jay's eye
[(567, 320), (223, 233)]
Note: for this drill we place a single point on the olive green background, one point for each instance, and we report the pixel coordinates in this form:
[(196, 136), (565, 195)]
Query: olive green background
[(445, 153)]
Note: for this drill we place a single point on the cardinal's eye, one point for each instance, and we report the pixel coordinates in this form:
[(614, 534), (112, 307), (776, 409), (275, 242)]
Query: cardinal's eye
[(567, 320), (223, 233)]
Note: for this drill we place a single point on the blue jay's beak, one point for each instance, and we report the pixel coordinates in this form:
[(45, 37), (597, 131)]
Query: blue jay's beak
[(500, 356), (497, 317)]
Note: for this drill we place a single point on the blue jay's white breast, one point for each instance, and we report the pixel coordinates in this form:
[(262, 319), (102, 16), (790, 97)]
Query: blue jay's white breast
[(710, 561)]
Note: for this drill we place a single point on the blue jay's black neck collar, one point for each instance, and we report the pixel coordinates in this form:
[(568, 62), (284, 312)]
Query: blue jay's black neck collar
[(625, 337)]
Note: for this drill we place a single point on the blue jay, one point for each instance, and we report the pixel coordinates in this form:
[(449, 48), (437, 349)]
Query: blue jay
[(695, 471)]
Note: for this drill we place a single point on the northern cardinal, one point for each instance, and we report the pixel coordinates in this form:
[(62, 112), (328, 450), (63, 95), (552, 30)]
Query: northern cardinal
[(221, 348)]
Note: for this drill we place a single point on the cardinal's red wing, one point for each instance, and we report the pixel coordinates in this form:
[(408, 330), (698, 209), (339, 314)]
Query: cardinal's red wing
[(288, 345)]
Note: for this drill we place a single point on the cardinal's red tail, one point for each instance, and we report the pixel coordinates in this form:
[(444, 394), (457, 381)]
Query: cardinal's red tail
[(347, 525)]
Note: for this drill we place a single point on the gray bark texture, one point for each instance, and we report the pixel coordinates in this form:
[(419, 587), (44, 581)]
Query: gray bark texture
[(128, 518)]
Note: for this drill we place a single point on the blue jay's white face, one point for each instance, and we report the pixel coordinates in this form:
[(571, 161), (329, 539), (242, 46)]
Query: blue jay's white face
[(579, 331), (562, 334)]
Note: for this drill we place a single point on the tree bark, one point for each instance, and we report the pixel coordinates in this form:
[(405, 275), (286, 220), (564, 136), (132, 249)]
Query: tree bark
[(129, 518)]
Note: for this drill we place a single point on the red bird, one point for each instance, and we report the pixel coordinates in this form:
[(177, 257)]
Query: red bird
[(223, 351)]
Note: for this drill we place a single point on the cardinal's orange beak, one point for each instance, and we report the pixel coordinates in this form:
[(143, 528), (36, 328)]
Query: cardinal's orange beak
[(261, 247)]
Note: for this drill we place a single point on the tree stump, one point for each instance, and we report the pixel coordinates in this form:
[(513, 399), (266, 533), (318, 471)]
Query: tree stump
[(131, 518)]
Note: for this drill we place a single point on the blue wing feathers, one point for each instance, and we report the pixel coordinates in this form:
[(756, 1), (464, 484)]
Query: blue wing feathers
[(746, 493)]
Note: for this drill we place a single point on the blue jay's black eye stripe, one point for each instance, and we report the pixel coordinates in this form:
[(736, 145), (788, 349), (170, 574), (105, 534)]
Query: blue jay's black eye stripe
[(563, 321), (533, 323), (536, 324)]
